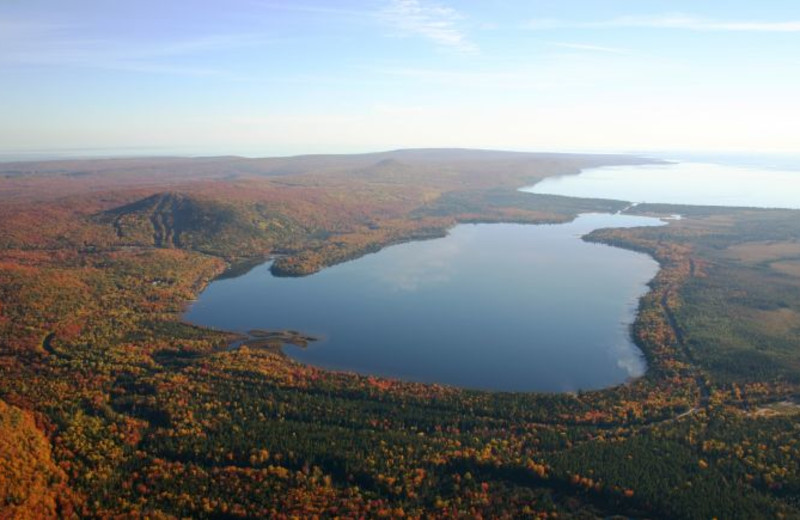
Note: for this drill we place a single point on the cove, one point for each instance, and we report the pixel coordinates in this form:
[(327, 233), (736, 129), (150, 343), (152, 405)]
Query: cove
[(505, 307)]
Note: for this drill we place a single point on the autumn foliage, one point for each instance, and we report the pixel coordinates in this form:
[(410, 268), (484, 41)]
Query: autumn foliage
[(111, 407)]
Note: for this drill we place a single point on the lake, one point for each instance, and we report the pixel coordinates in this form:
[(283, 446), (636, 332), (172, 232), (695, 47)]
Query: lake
[(491, 306), (693, 183)]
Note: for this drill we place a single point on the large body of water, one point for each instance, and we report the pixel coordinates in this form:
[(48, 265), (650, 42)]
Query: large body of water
[(692, 183), (490, 306), (494, 306)]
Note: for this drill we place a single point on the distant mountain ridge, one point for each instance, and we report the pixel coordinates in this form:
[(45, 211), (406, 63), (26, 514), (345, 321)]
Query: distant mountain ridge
[(221, 166)]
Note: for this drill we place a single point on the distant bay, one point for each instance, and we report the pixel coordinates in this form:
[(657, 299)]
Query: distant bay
[(745, 184)]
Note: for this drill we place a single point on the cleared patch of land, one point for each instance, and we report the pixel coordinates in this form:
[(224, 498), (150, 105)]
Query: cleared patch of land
[(787, 267), (758, 252), (777, 409)]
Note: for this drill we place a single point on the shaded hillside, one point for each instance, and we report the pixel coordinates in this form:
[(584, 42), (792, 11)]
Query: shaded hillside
[(175, 220)]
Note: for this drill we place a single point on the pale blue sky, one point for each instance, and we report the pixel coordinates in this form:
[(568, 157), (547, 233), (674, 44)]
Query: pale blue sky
[(265, 77)]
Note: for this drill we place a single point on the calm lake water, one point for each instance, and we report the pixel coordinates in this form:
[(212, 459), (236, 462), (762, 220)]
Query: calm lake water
[(490, 306), (690, 183)]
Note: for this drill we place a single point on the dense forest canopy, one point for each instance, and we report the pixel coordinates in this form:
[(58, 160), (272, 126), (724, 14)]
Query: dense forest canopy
[(110, 406)]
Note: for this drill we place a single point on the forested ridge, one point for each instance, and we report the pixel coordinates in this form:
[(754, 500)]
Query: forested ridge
[(111, 407)]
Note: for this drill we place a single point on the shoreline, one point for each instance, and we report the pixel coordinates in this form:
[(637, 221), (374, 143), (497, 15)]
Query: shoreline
[(276, 340)]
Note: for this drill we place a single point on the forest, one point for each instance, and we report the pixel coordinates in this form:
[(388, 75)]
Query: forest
[(112, 407)]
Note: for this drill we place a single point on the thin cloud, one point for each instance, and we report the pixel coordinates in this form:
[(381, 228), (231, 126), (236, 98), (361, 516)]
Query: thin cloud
[(436, 23), (681, 22), (26, 43), (590, 48)]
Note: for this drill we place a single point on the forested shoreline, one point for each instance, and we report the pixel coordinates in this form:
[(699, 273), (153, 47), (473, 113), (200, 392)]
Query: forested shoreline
[(111, 406)]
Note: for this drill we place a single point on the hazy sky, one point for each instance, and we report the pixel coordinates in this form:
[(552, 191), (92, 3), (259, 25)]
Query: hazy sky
[(264, 77)]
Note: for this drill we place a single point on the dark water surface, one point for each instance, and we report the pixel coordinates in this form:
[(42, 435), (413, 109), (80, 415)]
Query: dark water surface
[(491, 306)]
